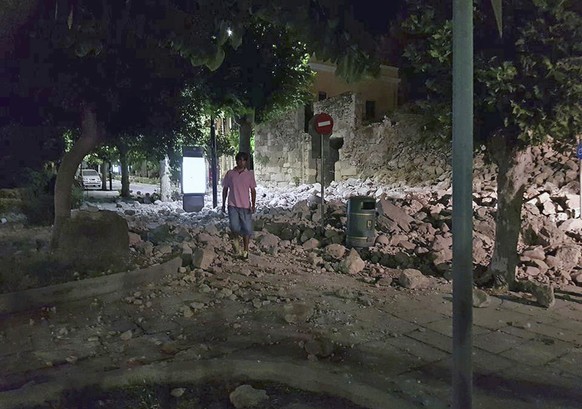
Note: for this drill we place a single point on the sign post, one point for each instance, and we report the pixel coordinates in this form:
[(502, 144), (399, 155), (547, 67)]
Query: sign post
[(462, 379), (324, 127), (579, 156), (213, 161)]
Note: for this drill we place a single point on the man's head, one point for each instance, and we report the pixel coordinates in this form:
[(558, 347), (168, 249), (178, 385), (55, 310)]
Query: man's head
[(242, 157)]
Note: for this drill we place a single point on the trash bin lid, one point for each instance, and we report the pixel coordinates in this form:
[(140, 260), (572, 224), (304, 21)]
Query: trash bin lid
[(362, 202)]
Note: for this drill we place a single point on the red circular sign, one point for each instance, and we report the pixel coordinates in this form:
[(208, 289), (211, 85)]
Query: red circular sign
[(323, 124)]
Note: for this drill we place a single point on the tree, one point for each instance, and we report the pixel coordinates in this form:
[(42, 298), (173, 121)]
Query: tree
[(266, 75), (528, 87), (60, 71), (81, 63)]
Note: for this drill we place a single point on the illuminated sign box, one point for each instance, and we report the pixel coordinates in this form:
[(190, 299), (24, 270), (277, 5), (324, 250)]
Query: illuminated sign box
[(194, 178), (193, 175)]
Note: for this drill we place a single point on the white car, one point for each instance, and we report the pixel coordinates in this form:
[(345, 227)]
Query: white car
[(90, 178)]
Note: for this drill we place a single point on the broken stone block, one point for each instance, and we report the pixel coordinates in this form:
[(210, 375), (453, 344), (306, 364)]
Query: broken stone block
[(203, 257), (336, 251), (352, 264), (245, 396), (480, 298), (412, 278)]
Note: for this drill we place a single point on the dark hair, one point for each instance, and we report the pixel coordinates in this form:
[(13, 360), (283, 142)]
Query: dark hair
[(242, 155)]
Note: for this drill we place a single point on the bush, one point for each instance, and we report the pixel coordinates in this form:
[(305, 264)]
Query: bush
[(10, 201), (11, 194), (76, 196), (37, 197)]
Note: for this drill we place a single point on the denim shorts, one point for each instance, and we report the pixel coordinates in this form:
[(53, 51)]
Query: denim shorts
[(241, 221)]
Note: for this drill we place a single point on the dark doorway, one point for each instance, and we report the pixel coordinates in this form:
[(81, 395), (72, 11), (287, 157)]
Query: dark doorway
[(308, 115), (370, 114)]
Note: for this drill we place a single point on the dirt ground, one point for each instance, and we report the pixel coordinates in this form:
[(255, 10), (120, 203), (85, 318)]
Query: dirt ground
[(287, 321)]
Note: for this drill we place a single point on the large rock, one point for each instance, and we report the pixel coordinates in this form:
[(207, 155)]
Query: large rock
[(245, 396), (394, 213), (95, 241), (352, 264), (336, 251), (203, 257), (412, 278), (267, 241), (568, 257)]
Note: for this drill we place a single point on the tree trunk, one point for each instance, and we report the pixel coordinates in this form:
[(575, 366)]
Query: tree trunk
[(246, 131), (104, 173), (165, 188), (123, 162), (514, 167), (91, 134)]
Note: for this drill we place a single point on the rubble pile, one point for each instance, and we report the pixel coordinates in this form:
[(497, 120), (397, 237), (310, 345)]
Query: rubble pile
[(413, 226)]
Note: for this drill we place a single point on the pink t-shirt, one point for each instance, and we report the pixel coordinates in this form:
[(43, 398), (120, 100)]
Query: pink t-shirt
[(239, 185)]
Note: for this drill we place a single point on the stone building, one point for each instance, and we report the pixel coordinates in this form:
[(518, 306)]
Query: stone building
[(285, 153)]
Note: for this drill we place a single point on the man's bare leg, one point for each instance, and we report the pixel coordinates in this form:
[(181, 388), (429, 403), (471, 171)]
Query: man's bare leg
[(236, 244), (246, 240)]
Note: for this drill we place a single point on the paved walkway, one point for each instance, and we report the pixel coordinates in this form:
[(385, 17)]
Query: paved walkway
[(381, 347)]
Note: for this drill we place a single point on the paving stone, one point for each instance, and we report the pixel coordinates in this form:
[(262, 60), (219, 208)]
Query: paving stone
[(497, 318), (419, 315), (537, 352), (445, 327), (424, 352), (497, 341), (433, 339), (570, 362), (485, 362), (561, 334)]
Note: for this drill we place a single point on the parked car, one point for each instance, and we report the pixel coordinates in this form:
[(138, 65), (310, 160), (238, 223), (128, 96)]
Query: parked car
[(90, 178)]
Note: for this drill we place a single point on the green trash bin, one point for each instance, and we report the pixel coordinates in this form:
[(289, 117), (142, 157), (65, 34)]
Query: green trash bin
[(361, 226)]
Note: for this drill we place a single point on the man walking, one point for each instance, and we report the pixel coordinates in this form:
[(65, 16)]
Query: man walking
[(237, 185)]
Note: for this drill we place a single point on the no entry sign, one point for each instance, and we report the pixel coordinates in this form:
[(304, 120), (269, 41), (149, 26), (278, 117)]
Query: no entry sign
[(323, 124)]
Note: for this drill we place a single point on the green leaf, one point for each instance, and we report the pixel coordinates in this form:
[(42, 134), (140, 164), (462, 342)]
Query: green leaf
[(223, 29), (216, 61), (236, 37)]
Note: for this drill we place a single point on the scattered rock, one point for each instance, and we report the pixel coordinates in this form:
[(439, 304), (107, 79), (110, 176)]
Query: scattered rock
[(544, 295), (352, 264), (177, 392), (480, 298), (126, 336), (335, 251), (297, 312), (411, 278), (245, 396), (203, 257)]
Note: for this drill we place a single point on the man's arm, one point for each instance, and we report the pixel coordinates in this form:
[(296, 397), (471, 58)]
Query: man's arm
[(224, 196), (253, 199)]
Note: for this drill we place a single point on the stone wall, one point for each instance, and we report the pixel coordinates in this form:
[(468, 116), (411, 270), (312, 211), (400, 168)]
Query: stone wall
[(391, 151), (346, 111), (283, 151)]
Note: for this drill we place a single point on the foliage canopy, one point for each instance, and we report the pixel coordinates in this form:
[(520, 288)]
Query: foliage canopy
[(528, 82)]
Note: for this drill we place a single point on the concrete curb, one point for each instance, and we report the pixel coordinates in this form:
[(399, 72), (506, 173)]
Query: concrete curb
[(304, 377), (91, 287)]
